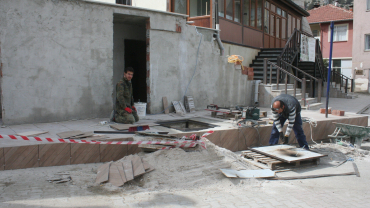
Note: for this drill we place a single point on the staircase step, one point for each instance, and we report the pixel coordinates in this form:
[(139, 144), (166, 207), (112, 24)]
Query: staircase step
[(281, 86), (314, 106), (289, 91), (309, 101)]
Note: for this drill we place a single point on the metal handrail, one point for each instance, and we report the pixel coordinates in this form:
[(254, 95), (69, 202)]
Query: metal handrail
[(342, 78), (303, 72), (288, 73)]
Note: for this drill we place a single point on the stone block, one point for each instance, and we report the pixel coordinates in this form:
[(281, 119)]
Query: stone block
[(322, 110), (337, 112)]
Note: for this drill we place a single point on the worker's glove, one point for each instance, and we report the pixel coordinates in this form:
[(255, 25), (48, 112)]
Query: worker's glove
[(286, 139), (133, 108), (128, 110), (281, 136)]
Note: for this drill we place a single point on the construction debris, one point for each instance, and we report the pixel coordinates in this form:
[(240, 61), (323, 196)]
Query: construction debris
[(61, 178), (32, 133), (119, 172), (264, 173), (189, 104)]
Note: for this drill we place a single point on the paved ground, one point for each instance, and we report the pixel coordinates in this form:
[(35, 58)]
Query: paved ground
[(29, 188)]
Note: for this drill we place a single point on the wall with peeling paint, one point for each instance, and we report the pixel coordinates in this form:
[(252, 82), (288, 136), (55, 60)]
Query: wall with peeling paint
[(58, 61)]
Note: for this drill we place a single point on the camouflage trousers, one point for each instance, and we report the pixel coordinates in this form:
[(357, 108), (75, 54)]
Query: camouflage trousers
[(127, 118)]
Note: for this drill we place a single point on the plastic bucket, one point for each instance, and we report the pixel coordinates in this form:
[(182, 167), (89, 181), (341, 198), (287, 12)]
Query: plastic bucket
[(141, 109)]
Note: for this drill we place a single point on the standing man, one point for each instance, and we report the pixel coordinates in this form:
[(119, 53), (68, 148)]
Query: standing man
[(287, 107), (125, 110)]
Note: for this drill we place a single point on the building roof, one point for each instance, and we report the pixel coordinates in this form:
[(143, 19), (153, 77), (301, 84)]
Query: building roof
[(329, 13)]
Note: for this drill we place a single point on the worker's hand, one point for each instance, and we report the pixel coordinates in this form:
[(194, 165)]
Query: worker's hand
[(286, 139), (128, 110), (281, 136), (133, 108)]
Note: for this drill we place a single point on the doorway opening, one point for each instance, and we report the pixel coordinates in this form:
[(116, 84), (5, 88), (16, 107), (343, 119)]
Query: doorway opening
[(130, 50)]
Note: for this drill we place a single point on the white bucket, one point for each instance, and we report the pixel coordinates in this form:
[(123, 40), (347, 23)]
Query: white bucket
[(141, 109)]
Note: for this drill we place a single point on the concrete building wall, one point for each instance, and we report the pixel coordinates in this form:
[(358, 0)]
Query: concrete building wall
[(151, 4), (58, 61), (361, 58)]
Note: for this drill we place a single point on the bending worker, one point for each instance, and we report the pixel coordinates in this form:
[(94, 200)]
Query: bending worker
[(287, 107), (125, 110)]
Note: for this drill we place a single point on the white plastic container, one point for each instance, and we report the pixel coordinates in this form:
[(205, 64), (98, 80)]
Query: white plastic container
[(141, 109)]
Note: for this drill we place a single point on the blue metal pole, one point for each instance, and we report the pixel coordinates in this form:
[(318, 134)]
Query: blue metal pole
[(329, 70)]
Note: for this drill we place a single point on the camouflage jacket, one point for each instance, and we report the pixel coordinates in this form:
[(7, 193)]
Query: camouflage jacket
[(124, 97)]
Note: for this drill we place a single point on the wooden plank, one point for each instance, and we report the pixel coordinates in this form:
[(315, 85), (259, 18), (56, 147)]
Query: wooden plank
[(54, 154), (32, 133), (21, 157), (127, 126), (137, 166), (103, 173), (114, 175), (2, 159), (264, 173), (127, 168), (178, 108), (84, 153), (165, 105), (121, 171), (67, 134), (110, 152), (278, 152)]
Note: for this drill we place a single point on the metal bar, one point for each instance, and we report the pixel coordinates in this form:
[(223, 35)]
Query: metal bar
[(270, 74), (286, 83), (319, 90), (285, 71), (311, 88), (352, 86), (329, 70), (346, 89), (265, 71), (304, 91), (340, 83), (277, 78), (295, 88), (300, 70)]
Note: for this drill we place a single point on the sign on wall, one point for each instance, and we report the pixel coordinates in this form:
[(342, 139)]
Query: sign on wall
[(307, 48)]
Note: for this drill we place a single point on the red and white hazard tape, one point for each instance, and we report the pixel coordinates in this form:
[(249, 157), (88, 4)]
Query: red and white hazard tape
[(184, 143)]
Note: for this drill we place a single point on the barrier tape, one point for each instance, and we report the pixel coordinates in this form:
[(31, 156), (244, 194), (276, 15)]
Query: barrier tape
[(184, 143)]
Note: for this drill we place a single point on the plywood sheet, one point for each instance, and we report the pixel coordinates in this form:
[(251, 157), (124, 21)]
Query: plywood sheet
[(21, 157), (284, 153), (121, 171), (165, 105), (109, 152), (54, 154), (68, 134), (2, 160), (264, 173), (137, 166), (103, 173), (114, 175), (127, 168), (85, 153), (32, 133)]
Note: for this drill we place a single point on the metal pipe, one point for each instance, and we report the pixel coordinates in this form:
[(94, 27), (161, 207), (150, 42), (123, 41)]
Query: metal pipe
[(257, 82), (329, 70), (265, 71), (220, 43)]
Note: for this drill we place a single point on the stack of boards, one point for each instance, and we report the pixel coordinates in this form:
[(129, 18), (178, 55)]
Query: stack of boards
[(119, 172)]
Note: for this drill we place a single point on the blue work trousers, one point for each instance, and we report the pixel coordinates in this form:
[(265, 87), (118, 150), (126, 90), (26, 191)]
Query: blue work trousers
[(297, 128)]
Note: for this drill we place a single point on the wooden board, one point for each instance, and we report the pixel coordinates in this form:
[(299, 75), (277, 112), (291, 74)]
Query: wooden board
[(165, 105), (121, 171), (137, 166), (2, 159), (127, 126), (178, 109), (114, 175), (103, 173), (110, 152), (21, 157), (182, 107), (54, 154), (127, 168), (84, 153), (264, 173), (32, 133), (279, 152), (67, 134)]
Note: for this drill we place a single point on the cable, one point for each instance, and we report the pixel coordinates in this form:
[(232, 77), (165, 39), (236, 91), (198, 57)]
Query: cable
[(313, 123)]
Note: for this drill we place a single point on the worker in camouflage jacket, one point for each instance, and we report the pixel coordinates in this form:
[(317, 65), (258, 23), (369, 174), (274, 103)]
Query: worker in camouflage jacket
[(125, 110)]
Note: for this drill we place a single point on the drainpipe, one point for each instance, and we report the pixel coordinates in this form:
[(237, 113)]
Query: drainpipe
[(217, 34), (256, 84)]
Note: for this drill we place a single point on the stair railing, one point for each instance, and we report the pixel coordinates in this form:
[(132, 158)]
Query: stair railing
[(339, 77), (291, 48), (278, 70), (313, 80)]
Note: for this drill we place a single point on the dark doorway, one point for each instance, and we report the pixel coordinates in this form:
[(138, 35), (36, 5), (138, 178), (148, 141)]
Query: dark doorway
[(135, 56)]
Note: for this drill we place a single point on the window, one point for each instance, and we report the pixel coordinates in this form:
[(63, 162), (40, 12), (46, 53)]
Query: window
[(229, 9), (221, 9), (368, 5), (266, 25), (246, 12), (198, 7), (340, 32), (179, 6), (367, 42), (253, 13), (259, 14), (237, 7), (125, 2)]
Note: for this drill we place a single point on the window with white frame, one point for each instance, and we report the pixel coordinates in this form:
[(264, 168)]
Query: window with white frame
[(340, 32), (367, 42)]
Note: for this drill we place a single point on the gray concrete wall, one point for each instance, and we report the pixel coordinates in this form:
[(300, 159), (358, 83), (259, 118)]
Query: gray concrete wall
[(58, 61)]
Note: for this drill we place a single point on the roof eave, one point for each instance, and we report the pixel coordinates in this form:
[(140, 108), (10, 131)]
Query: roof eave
[(345, 20), (298, 8)]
